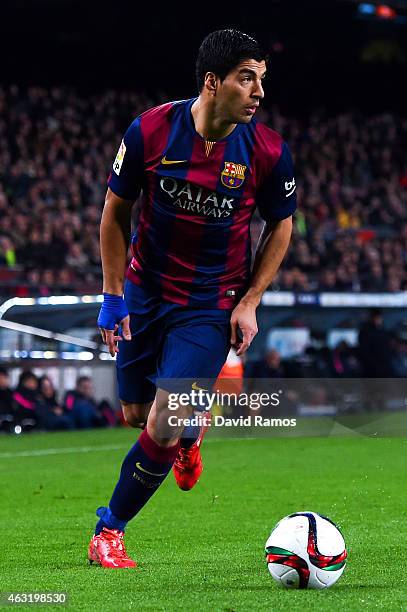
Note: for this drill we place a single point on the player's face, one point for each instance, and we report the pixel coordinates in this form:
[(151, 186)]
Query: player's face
[(239, 94)]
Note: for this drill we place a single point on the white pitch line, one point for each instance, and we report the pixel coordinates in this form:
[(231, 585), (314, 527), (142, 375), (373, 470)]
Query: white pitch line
[(88, 449), (62, 451)]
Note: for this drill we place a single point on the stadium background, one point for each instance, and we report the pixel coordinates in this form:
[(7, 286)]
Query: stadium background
[(73, 77)]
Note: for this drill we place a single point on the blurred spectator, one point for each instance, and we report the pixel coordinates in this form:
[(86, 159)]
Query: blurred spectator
[(342, 361), (6, 402), (269, 367), (51, 412), (34, 404), (400, 358), (329, 280), (7, 252), (110, 418), (81, 406), (6, 394), (76, 258), (375, 350), (26, 400), (63, 281)]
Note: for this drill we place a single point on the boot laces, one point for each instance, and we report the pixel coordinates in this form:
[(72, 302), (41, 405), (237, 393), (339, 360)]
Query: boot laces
[(183, 457), (113, 539)]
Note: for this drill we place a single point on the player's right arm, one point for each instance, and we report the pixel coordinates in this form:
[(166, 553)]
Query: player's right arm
[(115, 229)]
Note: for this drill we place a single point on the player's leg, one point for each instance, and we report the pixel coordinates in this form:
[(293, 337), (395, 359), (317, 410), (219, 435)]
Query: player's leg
[(107, 547), (195, 349), (150, 459), (136, 360), (147, 463), (135, 363), (144, 469), (136, 414)]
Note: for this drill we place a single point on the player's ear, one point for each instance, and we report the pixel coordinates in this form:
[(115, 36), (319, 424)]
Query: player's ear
[(210, 82)]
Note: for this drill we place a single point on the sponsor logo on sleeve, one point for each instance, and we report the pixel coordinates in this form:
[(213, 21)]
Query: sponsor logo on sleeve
[(118, 162), (290, 187)]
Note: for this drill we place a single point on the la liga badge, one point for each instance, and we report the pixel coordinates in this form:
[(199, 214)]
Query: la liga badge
[(117, 164)]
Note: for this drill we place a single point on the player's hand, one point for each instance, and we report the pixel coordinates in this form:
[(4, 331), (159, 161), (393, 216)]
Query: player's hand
[(244, 319), (113, 313)]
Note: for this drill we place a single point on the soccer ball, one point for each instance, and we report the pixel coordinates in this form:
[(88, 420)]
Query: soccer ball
[(306, 550)]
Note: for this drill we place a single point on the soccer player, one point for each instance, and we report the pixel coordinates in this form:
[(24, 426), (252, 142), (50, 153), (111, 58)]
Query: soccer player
[(203, 166)]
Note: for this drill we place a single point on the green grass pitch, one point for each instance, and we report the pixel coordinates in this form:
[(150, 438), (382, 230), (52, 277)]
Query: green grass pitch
[(203, 550)]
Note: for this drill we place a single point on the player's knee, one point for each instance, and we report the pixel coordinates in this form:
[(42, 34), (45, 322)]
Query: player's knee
[(164, 425), (135, 415)]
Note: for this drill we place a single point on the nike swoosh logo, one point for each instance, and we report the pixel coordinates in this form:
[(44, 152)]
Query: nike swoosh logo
[(166, 161), (195, 387), (140, 467)]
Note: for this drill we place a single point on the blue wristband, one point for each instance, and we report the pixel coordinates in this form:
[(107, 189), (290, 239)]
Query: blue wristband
[(112, 311)]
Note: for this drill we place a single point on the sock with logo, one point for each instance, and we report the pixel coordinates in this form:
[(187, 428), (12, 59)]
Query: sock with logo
[(191, 432), (189, 436), (145, 467)]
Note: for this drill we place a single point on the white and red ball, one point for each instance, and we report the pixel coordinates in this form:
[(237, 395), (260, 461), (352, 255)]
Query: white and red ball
[(306, 551)]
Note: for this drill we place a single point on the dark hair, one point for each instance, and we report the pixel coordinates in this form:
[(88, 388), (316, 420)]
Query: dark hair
[(25, 375), (43, 378), (223, 50), (82, 379)]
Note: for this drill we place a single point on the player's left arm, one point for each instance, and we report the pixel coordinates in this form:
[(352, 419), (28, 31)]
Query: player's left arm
[(269, 255), (276, 202)]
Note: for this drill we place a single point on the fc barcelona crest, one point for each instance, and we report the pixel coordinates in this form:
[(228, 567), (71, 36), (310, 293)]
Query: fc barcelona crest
[(233, 175)]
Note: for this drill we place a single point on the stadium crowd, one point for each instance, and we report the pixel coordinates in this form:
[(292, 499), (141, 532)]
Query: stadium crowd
[(34, 404), (56, 147)]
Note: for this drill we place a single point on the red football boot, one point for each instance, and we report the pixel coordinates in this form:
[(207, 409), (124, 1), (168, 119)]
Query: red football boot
[(107, 549), (188, 465)]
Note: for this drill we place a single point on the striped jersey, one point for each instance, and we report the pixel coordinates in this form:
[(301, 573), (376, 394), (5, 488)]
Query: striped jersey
[(192, 245)]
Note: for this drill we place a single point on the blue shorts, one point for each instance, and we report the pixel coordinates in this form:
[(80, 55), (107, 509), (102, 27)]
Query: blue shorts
[(168, 341)]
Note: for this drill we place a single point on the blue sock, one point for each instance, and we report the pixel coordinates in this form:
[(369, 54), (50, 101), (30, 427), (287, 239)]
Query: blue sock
[(191, 432), (143, 470), (109, 520), (189, 435)]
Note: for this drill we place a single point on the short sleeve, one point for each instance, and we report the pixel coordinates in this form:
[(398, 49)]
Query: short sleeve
[(276, 198), (126, 176)]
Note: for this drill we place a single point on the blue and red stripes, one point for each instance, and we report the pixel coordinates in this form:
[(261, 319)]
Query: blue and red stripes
[(193, 245), (155, 129)]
